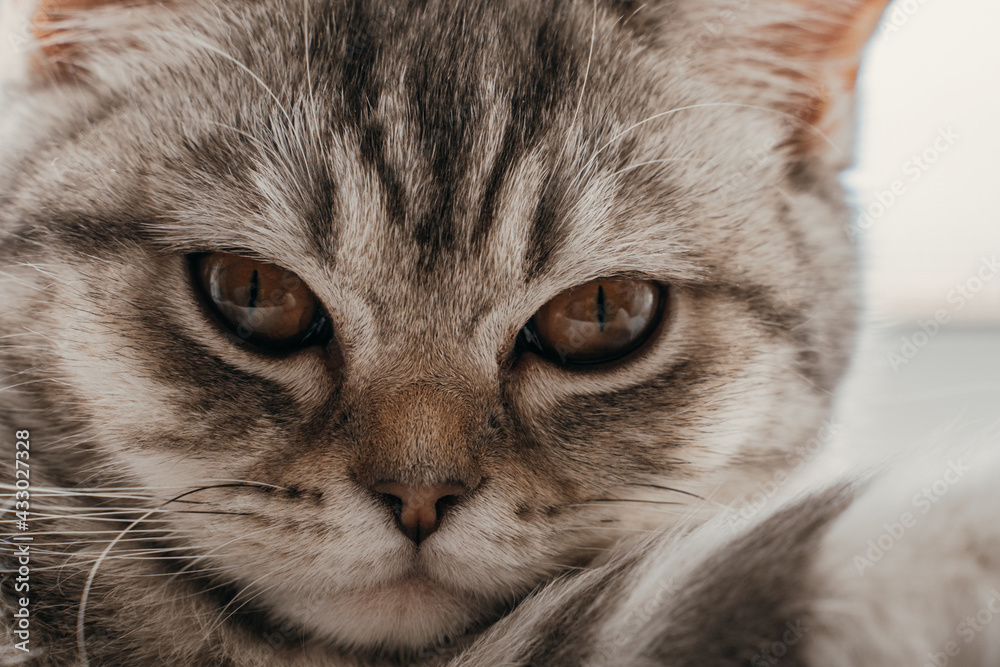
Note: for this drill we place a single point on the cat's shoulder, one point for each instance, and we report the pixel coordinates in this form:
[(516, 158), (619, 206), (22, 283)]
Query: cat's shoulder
[(900, 566)]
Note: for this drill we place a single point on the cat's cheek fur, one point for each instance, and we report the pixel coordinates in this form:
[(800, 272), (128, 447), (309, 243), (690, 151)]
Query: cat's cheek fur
[(361, 573), (336, 551)]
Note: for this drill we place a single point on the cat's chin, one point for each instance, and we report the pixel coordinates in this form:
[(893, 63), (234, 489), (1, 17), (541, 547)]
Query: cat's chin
[(409, 614)]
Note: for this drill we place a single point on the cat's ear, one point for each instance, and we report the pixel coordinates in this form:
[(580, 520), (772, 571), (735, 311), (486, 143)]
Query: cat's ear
[(799, 57), (817, 45), (56, 40)]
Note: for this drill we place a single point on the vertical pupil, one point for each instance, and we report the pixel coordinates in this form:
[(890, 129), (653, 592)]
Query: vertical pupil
[(602, 313), (254, 288)]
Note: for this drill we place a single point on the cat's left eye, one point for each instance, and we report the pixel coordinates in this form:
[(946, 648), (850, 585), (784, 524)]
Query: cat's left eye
[(260, 302)]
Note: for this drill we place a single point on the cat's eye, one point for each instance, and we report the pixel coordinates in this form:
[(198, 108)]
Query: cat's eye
[(260, 302), (598, 322)]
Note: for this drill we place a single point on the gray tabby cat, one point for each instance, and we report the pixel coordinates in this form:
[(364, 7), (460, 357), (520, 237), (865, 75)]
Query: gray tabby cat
[(345, 332)]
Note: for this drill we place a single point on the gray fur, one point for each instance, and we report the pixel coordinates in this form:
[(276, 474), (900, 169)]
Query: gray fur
[(435, 172), (750, 601)]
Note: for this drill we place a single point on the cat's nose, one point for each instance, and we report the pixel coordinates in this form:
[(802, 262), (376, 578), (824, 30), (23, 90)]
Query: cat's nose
[(419, 508)]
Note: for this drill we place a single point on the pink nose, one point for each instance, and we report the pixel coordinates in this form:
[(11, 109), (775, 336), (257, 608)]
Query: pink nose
[(419, 508)]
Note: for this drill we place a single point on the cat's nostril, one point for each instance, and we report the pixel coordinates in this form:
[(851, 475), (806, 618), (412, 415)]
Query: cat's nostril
[(419, 507), (395, 503), (443, 504)]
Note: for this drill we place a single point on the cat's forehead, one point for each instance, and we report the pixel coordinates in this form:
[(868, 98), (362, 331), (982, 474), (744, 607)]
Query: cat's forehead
[(467, 127), (445, 147), (422, 156)]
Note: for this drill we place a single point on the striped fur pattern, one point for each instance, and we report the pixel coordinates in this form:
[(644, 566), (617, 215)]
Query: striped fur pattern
[(435, 171), (899, 569)]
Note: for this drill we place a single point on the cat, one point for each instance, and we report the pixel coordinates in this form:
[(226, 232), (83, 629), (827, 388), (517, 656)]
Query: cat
[(441, 332)]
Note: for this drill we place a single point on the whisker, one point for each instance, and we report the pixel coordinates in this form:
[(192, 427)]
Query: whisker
[(224, 618), (666, 488), (81, 615), (628, 500), (92, 532), (660, 161), (586, 73), (75, 543), (204, 555), (702, 105), (105, 518)]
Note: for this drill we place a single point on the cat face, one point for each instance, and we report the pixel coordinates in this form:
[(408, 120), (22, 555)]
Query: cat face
[(427, 179)]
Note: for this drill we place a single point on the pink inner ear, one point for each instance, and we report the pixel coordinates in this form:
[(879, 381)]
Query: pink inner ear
[(849, 46), (830, 47), (837, 37), (47, 11), (58, 54)]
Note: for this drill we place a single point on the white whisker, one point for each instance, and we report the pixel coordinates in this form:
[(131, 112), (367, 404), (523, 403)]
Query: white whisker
[(703, 105), (81, 615), (586, 74)]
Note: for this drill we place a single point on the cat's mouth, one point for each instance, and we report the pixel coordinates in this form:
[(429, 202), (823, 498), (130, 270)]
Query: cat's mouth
[(408, 592), (408, 612)]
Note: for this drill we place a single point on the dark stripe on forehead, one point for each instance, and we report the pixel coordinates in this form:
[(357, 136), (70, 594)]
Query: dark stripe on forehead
[(448, 51), (551, 223), (539, 60), (548, 228), (552, 68), (322, 213), (361, 50), (444, 83), (373, 153), (356, 62), (555, 68), (220, 157), (510, 148)]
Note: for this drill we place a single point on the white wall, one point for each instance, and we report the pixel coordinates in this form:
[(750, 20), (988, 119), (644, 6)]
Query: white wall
[(934, 67)]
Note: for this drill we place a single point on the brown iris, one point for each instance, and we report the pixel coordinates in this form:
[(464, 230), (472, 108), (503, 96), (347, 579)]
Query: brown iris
[(261, 302), (597, 322)]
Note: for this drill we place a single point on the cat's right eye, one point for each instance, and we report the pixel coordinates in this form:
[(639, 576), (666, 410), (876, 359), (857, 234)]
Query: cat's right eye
[(598, 322), (260, 302)]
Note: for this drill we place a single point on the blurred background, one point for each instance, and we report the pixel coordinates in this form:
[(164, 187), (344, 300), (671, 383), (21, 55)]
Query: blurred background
[(926, 187)]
